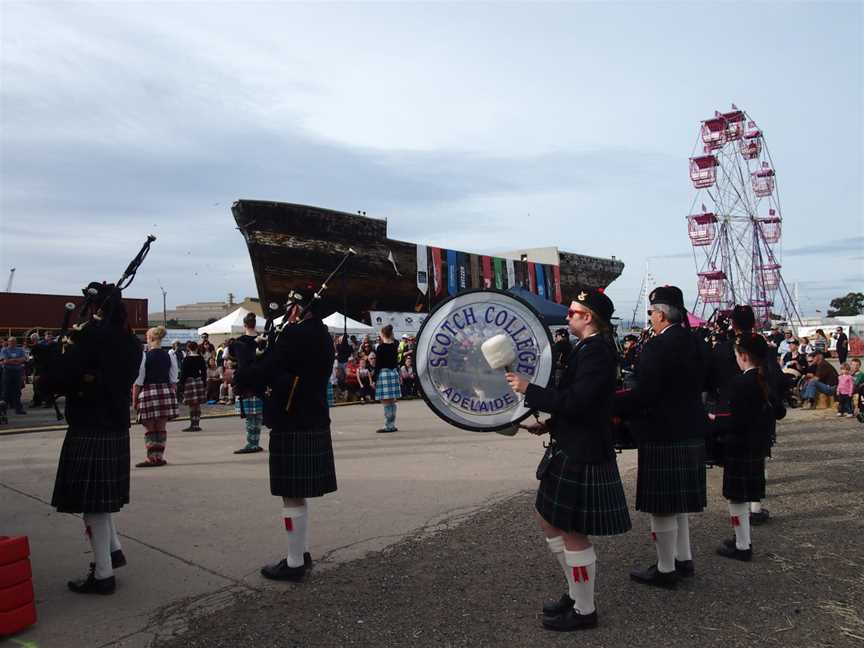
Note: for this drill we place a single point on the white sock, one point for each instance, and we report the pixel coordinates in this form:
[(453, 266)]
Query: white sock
[(583, 568), (682, 551), (755, 507), (99, 531), (556, 546), (664, 530), (115, 539), (306, 535), (294, 518), (739, 515)]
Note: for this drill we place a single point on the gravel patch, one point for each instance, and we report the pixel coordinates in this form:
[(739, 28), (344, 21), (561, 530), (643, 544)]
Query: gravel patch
[(481, 581)]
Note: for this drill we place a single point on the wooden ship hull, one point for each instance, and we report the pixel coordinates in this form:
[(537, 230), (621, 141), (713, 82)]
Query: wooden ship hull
[(297, 246)]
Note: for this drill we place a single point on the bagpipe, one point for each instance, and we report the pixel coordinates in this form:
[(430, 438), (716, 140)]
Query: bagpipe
[(287, 315), (102, 307)]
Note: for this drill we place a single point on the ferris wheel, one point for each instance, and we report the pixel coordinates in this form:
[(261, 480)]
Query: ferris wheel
[(736, 232)]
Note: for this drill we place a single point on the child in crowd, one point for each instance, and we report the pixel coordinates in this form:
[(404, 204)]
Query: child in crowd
[(364, 378), (214, 379), (226, 391), (845, 389)]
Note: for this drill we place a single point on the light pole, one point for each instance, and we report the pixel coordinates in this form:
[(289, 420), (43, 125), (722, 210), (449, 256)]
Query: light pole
[(164, 307)]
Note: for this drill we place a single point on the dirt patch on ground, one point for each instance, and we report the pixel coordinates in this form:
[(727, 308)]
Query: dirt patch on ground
[(481, 583)]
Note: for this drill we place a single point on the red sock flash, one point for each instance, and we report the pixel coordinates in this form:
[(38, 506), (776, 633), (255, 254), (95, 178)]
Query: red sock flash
[(580, 574), (736, 521), (289, 524)]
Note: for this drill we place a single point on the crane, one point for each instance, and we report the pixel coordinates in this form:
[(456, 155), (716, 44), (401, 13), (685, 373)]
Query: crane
[(11, 277)]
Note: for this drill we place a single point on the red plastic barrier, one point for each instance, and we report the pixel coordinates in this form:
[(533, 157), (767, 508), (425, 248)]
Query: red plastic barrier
[(17, 605)]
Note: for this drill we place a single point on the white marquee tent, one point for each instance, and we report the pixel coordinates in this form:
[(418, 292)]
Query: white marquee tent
[(337, 322), (231, 324)]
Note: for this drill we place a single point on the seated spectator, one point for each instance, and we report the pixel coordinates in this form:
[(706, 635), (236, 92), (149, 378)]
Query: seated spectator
[(226, 391), (351, 384), (409, 377), (806, 347), (366, 383), (821, 377), (214, 380)]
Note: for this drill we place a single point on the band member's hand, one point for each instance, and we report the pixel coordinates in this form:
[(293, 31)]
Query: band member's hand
[(518, 384), (711, 416), (535, 427)]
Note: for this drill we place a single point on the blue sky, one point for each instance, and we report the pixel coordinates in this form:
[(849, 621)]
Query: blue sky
[(478, 127)]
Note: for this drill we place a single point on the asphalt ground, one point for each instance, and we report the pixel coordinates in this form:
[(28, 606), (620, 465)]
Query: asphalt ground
[(480, 581), (198, 530)]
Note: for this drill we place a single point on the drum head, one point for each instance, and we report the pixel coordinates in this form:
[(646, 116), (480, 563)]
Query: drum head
[(453, 376)]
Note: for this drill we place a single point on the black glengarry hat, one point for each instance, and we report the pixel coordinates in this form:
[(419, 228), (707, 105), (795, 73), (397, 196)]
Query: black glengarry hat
[(669, 295), (598, 302)]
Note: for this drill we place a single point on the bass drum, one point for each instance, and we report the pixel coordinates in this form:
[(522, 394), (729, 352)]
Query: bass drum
[(453, 376)]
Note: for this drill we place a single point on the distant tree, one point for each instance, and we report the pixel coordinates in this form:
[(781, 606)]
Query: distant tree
[(851, 304)]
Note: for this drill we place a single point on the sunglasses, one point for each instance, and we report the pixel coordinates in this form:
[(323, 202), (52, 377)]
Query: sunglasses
[(575, 311), (650, 312)]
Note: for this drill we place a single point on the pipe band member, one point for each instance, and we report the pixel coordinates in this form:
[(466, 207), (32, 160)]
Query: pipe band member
[(747, 441), (96, 374), (668, 422), (193, 378), (580, 492), (154, 396), (296, 369), (250, 401)]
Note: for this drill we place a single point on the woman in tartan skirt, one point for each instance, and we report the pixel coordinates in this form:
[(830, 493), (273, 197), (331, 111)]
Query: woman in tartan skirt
[(96, 373), (668, 422), (580, 491), (388, 383), (154, 396), (746, 442), (193, 376)]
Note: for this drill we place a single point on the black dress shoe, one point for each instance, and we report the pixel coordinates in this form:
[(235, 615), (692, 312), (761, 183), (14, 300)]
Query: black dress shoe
[(745, 555), (191, 428), (759, 518), (93, 585), (385, 431), (685, 568), (117, 559), (281, 571), (654, 577), (249, 450), (570, 620), (554, 608)]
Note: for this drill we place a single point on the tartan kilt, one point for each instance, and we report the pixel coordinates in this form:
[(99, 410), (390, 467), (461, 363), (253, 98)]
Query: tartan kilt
[(387, 386), (93, 472), (252, 406), (156, 401), (194, 391), (583, 498), (331, 398), (743, 474), (671, 477), (301, 462)]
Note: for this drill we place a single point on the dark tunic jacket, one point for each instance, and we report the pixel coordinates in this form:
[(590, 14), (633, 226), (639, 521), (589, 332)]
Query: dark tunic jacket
[(581, 405), (751, 421), (303, 351), (193, 367), (665, 402), (96, 375)]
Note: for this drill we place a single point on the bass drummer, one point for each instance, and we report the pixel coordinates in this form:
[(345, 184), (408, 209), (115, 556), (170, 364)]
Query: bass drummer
[(580, 492)]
